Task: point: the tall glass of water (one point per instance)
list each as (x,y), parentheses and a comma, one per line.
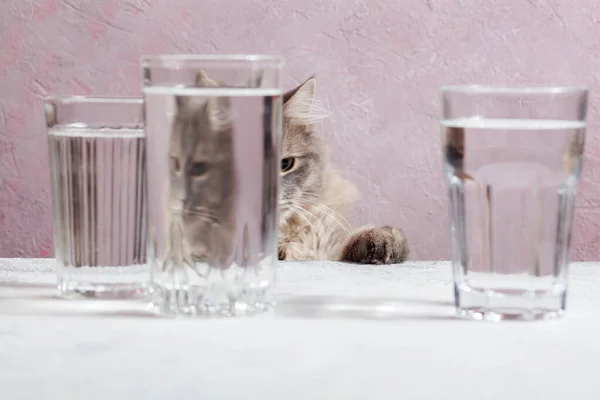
(213,126)
(512,158)
(98,182)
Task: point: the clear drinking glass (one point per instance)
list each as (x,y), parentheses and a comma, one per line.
(213,126)
(98,182)
(512,157)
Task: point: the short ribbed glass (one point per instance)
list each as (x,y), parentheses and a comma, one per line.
(512,157)
(213,125)
(98,182)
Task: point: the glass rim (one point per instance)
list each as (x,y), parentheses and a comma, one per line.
(513,89)
(98,99)
(162,59)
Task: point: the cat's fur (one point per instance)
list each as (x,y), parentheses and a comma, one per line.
(316,200)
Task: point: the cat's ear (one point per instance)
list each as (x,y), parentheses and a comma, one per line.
(256,79)
(202,80)
(303,95)
(181,101)
(300,106)
(218,111)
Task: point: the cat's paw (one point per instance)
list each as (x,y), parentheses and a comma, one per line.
(383,245)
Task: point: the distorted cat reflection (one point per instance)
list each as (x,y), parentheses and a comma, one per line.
(202,179)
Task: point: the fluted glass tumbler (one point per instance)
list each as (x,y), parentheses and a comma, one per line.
(213,126)
(98,182)
(512,159)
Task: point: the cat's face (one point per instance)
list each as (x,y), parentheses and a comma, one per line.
(202,181)
(303,154)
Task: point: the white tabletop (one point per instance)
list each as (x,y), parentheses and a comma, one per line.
(339,332)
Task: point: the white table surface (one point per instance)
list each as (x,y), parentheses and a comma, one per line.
(339,332)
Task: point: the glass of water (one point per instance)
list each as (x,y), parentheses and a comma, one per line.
(213,126)
(98,182)
(512,158)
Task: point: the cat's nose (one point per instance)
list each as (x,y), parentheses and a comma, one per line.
(178,196)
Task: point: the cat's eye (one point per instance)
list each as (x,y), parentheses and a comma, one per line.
(198,169)
(175,165)
(287,164)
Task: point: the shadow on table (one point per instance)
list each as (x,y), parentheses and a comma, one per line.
(27,285)
(27,290)
(56,307)
(344,307)
(41,299)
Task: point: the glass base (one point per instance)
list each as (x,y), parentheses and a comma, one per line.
(497,304)
(102,282)
(105,291)
(187,300)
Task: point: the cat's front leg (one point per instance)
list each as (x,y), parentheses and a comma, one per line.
(381,245)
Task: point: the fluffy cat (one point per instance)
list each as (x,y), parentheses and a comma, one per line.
(315,199)
(202,182)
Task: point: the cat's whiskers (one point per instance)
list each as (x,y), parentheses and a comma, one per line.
(314,196)
(299,211)
(334,219)
(286,208)
(206,215)
(203,210)
(175,211)
(337,217)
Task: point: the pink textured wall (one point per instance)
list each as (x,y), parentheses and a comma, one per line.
(379,65)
